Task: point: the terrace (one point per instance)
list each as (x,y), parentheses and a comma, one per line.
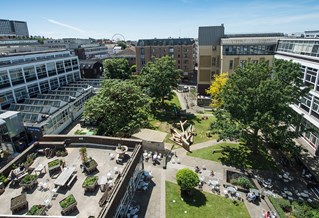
(48,194)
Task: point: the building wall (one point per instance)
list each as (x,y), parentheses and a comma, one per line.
(27,75)
(308,107)
(184,56)
(231,62)
(13,28)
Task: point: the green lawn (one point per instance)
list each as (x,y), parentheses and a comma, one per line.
(206,205)
(163,119)
(236,155)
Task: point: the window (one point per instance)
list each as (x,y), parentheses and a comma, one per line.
(60,67)
(171,50)
(54,83)
(75,64)
(213,61)
(7,98)
(68,66)
(44,86)
(4,79)
(33,90)
(51,69)
(242,63)
(142,50)
(16,76)
(41,71)
(21,93)
(231,64)
(70,78)
(62,81)
(185,55)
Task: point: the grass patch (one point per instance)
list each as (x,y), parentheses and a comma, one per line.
(236,155)
(205,205)
(276,203)
(174,101)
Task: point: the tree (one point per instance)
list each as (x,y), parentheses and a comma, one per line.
(83,154)
(215,89)
(187,179)
(122,44)
(133,68)
(116,68)
(256,103)
(159,77)
(118,109)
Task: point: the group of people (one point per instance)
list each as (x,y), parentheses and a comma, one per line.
(197,170)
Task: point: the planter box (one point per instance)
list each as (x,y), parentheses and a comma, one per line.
(37,210)
(234,175)
(68,204)
(18,203)
(29,184)
(90,166)
(92,186)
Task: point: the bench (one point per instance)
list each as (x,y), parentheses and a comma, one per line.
(217,150)
(71,180)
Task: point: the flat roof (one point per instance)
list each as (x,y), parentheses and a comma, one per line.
(8,114)
(150,135)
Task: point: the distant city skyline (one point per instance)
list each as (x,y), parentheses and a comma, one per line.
(160,18)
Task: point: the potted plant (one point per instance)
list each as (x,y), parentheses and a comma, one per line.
(28,181)
(243,182)
(29,160)
(54,164)
(89,164)
(90,183)
(37,210)
(68,204)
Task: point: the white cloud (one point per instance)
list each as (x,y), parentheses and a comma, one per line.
(66,26)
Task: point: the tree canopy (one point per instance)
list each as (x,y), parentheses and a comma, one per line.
(122,44)
(187,179)
(116,68)
(256,103)
(215,89)
(118,109)
(159,77)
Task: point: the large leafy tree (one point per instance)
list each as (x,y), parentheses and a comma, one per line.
(256,103)
(116,68)
(118,109)
(215,89)
(159,77)
(187,179)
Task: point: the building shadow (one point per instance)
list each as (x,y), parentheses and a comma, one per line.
(142,198)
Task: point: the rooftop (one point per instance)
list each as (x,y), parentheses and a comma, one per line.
(165,42)
(150,135)
(87,202)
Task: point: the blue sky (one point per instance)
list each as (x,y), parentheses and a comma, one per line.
(160,18)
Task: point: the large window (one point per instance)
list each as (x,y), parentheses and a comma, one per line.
(68,66)
(62,80)
(16,76)
(60,67)
(41,71)
(248,49)
(54,83)
(33,90)
(51,69)
(70,78)
(4,79)
(7,98)
(44,86)
(29,73)
(303,47)
(76,76)
(21,94)
(75,64)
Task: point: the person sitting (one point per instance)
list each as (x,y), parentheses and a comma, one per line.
(197,170)
(212,173)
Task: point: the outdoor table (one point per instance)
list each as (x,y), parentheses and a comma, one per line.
(213,182)
(255,191)
(64,176)
(231,189)
(304,195)
(288,193)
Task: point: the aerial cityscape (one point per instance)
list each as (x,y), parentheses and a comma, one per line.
(159,109)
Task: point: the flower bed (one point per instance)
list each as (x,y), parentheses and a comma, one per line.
(90,183)
(241,180)
(90,165)
(37,210)
(68,204)
(28,181)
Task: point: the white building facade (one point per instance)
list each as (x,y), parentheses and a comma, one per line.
(306,53)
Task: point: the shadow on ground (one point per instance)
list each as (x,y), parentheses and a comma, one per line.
(242,157)
(196,199)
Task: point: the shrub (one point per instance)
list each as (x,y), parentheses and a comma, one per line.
(36,210)
(67,201)
(28,178)
(187,179)
(284,204)
(3,178)
(243,182)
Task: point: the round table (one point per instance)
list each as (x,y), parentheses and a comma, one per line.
(231,190)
